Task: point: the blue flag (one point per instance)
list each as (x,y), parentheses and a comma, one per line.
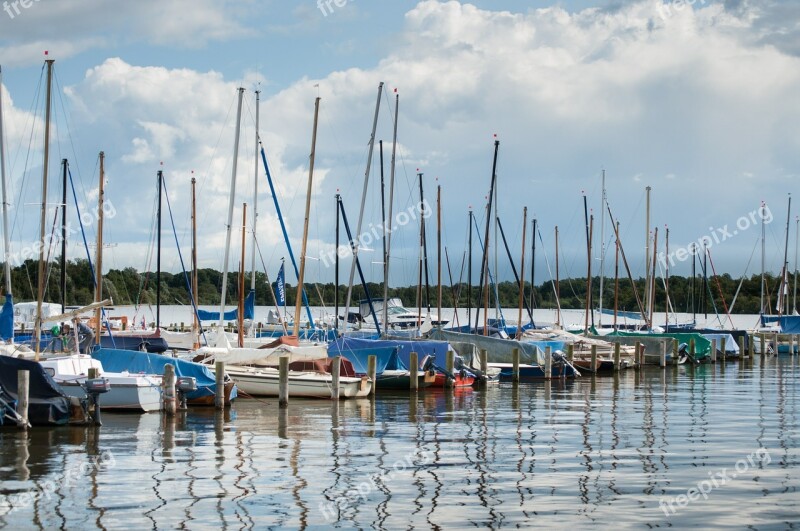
(280,286)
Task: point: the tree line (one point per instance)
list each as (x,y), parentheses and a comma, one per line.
(128,286)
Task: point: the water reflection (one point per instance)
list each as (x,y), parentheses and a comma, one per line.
(554,454)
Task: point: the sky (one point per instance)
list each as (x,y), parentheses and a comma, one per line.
(695,99)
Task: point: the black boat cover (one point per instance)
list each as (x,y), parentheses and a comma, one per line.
(47,404)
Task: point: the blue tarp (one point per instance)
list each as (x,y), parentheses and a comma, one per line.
(386,357)
(554,345)
(790,324)
(115,360)
(232,315)
(7,319)
(346,345)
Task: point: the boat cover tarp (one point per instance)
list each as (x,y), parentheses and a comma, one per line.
(47,404)
(437,349)
(730,342)
(701,344)
(232,315)
(500,350)
(7,319)
(386,357)
(790,324)
(116,360)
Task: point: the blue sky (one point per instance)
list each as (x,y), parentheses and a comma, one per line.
(697,101)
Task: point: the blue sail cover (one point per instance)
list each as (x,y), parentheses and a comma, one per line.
(348,346)
(115,360)
(7,319)
(635,316)
(790,324)
(232,315)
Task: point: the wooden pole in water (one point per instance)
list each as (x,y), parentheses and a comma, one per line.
(484,361)
(742,353)
(548,363)
(170,403)
(283,381)
(219,392)
(724,348)
(372,372)
(571,352)
(616,356)
(413,370)
(594,358)
(713,351)
(23,383)
(515,365)
(638,358)
(692,348)
(450,365)
(336,368)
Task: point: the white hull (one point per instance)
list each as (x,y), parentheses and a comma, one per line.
(265,382)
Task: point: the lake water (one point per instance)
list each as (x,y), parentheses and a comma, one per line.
(711,446)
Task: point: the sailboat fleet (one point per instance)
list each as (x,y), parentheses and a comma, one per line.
(382,345)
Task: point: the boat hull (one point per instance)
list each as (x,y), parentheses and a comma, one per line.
(533,372)
(265,382)
(400,380)
(142,393)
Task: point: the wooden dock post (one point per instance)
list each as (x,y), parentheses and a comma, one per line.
(515,365)
(751,347)
(570,352)
(283,381)
(372,372)
(484,361)
(742,352)
(723,348)
(450,360)
(413,361)
(23,390)
(762,343)
(638,359)
(548,363)
(170,402)
(616,356)
(336,369)
(713,351)
(692,349)
(594,359)
(219,392)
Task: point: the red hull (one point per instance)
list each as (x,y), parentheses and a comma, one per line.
(465,381)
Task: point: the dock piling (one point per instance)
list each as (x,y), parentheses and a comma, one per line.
(413,381)
(23,390)
(283,381)
(219,393)
(372,372)
(570,352)
(170,402)
(594,359)
(713,351)
(515,365)
(548,363)
(336,368)
(616,356)
(450,365)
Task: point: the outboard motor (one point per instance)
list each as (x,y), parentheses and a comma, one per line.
(94,387)
(184,386)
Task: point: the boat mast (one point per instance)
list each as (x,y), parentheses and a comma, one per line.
(336,269)
(63,276)
(43,220)
(588,267)
(485,260)
(616,276)
(694,276)
(522,273)
(558,287)
(652,287)
(421,247)
(386,225)
(424,246)
(160,177)
(602,247)
(240,313)
(6,236)
(383,197)
(195,322)
(229,224)
(299,298)
(356,242)
(439,251)
(796,244)
(98,294)
(784,285)
(533,265)
(255,199)
(666,281)
(469,271)
(763,254)
(648,299)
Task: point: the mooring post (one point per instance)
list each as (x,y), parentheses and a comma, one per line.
(450,361)
(616,357)
(723,348)
(413,370)
(638,356)
(283,381)
(515,365)
(484,361)
(713,351)
(170,403)
(548,363)
(742,352)
(23,389)
(219,393)
(372,372)
(594,359)
(336,368)
(571,352)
